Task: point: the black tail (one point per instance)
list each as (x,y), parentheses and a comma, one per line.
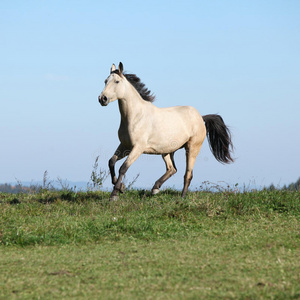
(219,138)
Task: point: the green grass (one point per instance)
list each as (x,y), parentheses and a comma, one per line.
(210,245)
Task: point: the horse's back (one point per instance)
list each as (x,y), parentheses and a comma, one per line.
(186,117)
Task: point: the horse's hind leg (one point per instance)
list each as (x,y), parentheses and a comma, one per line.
(192,150)
(171,170)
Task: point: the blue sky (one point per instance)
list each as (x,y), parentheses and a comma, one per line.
(236,58)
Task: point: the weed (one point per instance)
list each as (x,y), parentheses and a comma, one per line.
(97,177)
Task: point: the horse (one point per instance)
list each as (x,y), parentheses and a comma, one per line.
(147,129)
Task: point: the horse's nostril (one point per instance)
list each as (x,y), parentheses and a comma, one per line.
(103,100)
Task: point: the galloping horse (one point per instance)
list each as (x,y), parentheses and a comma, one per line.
(148,129)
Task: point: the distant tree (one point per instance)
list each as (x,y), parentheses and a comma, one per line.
(7,188)
(294,186)
(272,187)
(13,189)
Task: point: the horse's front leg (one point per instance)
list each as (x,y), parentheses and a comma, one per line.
(132,157)
(120,153)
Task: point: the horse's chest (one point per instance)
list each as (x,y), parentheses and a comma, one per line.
(127,136)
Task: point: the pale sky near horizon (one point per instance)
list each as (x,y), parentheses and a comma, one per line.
(236,58)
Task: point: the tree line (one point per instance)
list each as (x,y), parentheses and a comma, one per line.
(295,186)
(19,188)
(13,189)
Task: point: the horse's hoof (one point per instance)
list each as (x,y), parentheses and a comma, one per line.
(122,188)
(114,198)
(155,191)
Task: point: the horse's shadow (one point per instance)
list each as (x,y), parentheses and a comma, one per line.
(166,192)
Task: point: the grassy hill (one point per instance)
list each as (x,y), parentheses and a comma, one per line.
(62,244)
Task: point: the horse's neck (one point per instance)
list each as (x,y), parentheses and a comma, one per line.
(131,106)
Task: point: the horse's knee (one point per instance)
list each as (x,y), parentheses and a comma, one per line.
(111,163)
(173,171)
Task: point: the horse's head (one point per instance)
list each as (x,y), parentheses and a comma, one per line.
(114,86)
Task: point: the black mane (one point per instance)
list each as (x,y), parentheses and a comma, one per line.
(140,87)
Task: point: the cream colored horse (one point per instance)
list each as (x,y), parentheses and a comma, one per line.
(148,129)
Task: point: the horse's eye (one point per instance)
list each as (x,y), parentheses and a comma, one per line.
(117,81)
(105,81)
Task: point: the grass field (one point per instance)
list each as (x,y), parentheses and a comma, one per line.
(65,245)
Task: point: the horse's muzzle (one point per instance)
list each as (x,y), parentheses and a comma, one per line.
(103,100)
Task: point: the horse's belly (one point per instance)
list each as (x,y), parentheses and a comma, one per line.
(167,144)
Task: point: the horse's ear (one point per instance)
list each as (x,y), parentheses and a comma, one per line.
(113,68)
(120,67)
